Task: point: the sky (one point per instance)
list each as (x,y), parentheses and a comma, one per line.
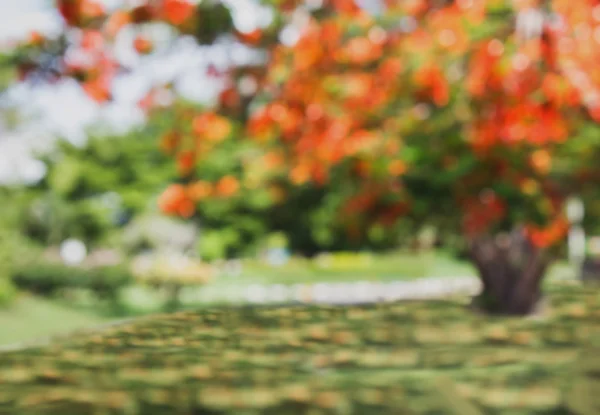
(20,16)
(65,111)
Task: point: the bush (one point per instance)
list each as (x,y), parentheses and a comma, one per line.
(90,192)
(7,292)
(13,246)
(48,279)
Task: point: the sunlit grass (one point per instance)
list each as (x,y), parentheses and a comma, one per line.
(34,317)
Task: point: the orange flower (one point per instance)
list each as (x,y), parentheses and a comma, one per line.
(414,7)
(595,113)
(433,82)
(227,186)
(360,140)
(308,51)
(116,22)
(200,190)
(300,174)
(525,4)
(76,11)
(186,208)
(390,69)
(330,35)
(169,142)
(550,235)
(273,160)
(251,38)
(177,12)
(554,88)
(98,89)
(448,30)
(361,50)
(212,126)
(358,85)
(541,161)
(346,6)
(397,168)
(175,201)
(142,45)
(36,38)
(91,9)
(185,162)
(474,11)
(260,125)
(230,98)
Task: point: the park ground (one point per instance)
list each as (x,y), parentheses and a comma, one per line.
(32,317)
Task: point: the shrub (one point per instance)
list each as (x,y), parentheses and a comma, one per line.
(7,292)
(13,246)
(48,279)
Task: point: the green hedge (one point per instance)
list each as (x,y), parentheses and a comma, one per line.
(47,278)
(402,358)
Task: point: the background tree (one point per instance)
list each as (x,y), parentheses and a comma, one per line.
(475,116)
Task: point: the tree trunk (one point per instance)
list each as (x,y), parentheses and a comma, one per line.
(511,270)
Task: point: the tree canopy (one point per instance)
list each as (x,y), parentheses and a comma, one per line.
(478,116)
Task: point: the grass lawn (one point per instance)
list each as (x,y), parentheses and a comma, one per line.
(33,317)
(348,268)
(431,357)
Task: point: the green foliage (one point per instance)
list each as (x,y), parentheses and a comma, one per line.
(129,165)
(385,358)
(89,191)
(214,19)
(313,219)
(214,244)
(51,219)
(13,246)
(8,292)
(8,72)
(45,278)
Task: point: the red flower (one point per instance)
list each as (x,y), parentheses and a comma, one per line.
(549,235)
(482,212)
(176,201)
(433,83)
(143,45)
(227,186)
(185,162)
(177,12)
(98,89)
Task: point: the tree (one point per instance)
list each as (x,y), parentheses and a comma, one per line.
(91,190)
(478,116)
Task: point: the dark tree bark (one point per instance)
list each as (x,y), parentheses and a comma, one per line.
(511,270)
